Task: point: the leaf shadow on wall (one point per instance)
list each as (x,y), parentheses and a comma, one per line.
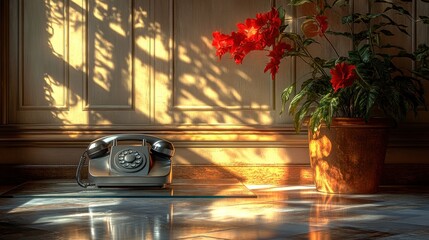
(203,90)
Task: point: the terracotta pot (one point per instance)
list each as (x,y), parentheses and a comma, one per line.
(349,157)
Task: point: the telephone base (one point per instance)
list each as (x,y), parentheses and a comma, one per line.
(101,175)
(121,181)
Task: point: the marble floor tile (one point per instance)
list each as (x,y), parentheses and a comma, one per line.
(278,212)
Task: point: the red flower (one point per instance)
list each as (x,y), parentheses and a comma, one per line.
(254,34)
(276,55)
(222,42)
(271,27)
(343,75)
(236,50)
(323,24)
(249,28)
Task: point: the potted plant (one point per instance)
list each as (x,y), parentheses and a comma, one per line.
(349,96)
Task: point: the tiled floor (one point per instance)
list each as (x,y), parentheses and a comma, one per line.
(279,212)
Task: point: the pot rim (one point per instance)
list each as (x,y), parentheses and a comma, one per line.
(375,122)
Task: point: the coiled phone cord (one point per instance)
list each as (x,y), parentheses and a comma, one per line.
(79,167)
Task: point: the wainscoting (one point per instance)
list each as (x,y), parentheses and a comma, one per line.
(264,156)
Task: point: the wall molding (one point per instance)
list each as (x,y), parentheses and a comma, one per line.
(406,135)
(4,54)
(264,155)
(393,174)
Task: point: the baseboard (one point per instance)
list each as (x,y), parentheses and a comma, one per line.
(393,174)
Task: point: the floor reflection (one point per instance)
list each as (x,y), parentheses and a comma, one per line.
(116,225)
(279,212)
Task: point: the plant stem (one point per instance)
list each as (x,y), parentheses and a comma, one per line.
(312,59)
(330,43)
(362,78)
(303,59)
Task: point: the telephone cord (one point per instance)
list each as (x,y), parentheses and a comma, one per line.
(79,167)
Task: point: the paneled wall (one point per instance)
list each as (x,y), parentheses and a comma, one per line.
(80,69)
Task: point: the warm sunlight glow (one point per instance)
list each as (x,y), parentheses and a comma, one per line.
(162,51)
(212,94)
(96,60)
(116,27)
(101,79)
(320,148)
(262,117)
(104,64)
(140,15)
(183,54)
(56,28)
(54,92)
(75,37)
(34,204)
(142,44)
(99,10)
(100,120)
(220,212)
(276,188)
(241,156)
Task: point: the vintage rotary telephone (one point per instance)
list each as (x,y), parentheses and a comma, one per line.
(113,165)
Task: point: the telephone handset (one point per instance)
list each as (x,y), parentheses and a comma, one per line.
(112,164)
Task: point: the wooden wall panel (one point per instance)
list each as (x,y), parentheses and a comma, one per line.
(43,78)
(203,82)
(40,71)
(110,55)
(207,90)
(82,62)
(127,62)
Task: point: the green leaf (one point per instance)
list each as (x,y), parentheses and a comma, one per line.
(354,56)
(299,2)
(365,53)
(332,108)
(286,95)
(331,63)
(301,114)
(372,16)
(369,101)
(282,13)
(295,101)
(315,120)
(309,41)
